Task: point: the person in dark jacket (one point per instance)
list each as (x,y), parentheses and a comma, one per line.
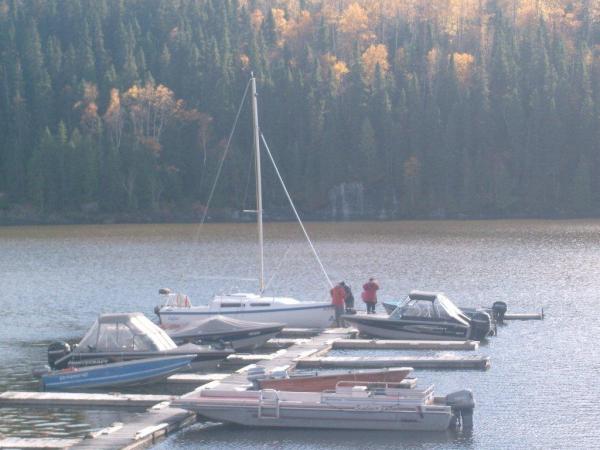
(349,298)
(369,294)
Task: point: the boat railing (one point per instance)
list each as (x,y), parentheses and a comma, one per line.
(390,389)
(268,404)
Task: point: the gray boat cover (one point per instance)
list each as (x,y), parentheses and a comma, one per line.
(214,325)
(124,332)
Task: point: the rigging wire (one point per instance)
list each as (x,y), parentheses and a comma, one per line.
(276,271)
(287,194)
(219,169)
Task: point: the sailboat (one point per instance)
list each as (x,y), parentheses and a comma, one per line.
(177,311)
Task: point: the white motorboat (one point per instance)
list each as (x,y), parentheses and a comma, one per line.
(352,405)
(177,311)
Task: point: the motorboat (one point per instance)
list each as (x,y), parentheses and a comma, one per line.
(127,373)
(496,311)
(177,310)
(350,405)
(125,337)
(424,315)
(320,382)
(227,331)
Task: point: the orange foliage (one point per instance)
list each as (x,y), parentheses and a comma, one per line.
(374,55)
(463,66)
(244,61)
(256,19)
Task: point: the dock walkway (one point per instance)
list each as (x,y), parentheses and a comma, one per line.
(300,348)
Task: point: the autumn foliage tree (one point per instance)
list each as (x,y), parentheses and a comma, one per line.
(435,108)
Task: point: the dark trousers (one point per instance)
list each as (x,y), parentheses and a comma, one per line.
(370,307)
(339,310)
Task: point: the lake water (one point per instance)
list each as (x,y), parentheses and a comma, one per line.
(541,391)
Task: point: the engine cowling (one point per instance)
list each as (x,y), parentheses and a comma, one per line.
(481,325)
(499,309)
(56,351)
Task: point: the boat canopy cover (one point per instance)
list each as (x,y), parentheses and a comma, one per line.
(124,332)
(429,305)
(220,324)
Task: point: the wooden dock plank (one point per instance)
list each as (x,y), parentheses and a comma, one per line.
(46,399)
(142,431)
(196,378)
(366,344)
(38,443)
(276,343)
(418,362)
(299,332)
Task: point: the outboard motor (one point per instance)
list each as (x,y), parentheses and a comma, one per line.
(255,374)
(57,351)
(498,310)
(481,325)
(463,404)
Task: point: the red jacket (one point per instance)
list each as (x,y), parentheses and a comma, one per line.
(369,294)
(338,294)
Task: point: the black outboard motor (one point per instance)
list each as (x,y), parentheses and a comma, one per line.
(57,351)
(463,404)
(498,310)
(481,325)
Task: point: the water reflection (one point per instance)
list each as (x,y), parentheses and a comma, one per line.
(236,437)
(539,392)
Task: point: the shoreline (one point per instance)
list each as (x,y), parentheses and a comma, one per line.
(8,219)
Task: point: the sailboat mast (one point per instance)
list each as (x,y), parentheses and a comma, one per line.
(259,209)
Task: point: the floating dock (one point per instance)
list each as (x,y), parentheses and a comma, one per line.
(54,399)
(383,344)
(450,362)
(302,348)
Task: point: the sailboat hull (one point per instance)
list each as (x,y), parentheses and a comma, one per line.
(308,315)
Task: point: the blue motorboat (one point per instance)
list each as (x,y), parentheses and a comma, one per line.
(123,337)
(125,373)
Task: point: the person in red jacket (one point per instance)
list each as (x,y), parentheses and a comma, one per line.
(338,294)
(369,294)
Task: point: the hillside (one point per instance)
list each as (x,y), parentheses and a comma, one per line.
(394,108)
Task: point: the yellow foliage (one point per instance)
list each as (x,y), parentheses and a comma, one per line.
(374,55)
(302,26)
(463,66)
(339,70)
(245,61)
(334,67)
(354,21)
(279,19)
(433,57)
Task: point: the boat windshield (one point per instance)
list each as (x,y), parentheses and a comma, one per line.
(125,333)
(438,307)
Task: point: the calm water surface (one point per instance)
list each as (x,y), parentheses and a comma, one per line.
(541,391)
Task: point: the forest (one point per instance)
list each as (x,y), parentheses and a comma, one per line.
(373,109)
